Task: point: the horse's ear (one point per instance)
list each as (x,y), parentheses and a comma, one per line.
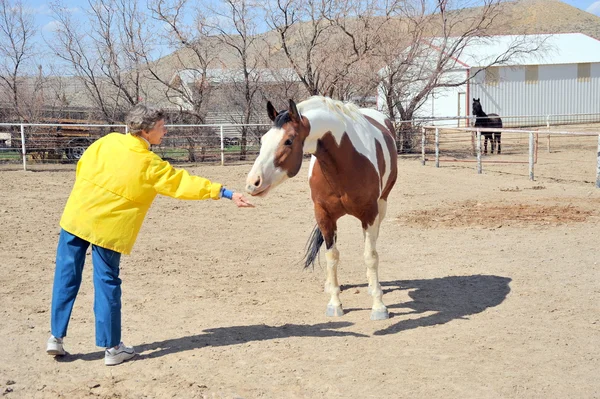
(293,110)
(271,111)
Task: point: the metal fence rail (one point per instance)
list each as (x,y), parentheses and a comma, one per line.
(227,143)
(61,143)
(468,140)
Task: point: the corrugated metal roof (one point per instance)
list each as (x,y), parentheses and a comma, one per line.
(564,48)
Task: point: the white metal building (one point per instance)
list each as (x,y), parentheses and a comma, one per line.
(562,78)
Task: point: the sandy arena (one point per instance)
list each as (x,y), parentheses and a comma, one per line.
(492,282)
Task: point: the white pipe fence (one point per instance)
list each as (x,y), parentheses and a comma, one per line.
(225,132)
(48,142)
(531,145)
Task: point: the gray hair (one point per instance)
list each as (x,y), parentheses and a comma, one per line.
(142,117)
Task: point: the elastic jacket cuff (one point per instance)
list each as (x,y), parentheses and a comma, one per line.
(226,193)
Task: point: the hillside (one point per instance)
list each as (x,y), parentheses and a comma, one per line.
(547,16)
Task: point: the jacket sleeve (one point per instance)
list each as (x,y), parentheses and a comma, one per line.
(178,183)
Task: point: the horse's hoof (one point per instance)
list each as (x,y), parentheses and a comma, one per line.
(334,311)
(380,314)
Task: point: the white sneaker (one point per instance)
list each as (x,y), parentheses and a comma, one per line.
(114,356)
(55,346)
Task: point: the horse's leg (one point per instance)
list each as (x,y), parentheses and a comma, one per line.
(332,287)
(498,137)
(371,233)
(492,142)
(328,228)
(485,142)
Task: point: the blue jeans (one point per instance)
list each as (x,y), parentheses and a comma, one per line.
(70,257)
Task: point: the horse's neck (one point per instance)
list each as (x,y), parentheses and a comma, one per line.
(481,114)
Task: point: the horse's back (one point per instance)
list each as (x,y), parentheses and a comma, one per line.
(495,120)
(381,119)
(491,120)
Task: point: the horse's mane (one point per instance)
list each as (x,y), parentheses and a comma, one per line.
(342,109)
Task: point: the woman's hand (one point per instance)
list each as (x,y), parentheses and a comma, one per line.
(241,201)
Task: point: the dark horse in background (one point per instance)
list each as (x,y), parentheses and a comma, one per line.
(487,121)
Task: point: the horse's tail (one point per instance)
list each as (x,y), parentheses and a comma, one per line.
(312,247)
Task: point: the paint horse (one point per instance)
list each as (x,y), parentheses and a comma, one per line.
(352,171)
(487,121)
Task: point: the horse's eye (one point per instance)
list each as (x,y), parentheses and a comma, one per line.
(288,142)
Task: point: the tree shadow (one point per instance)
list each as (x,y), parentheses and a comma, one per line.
(224,336)
(451,298)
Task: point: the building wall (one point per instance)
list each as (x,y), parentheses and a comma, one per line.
(443,102)
(557,91)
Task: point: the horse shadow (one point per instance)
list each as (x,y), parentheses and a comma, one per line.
(449,298)
(224,336)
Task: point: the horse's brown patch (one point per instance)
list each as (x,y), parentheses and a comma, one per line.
(343,182)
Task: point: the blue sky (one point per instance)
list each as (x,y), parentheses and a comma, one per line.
(44,17)
(45,21)
(591,6)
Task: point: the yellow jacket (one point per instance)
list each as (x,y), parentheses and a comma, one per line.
(117,179)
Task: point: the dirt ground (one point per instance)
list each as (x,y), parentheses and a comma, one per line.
(492,282)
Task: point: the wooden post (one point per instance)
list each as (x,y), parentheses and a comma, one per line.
(222,148)
(479,168)
(598,165)
(531,155)
(437,147)
(548,129)
(423,146)
(23,151)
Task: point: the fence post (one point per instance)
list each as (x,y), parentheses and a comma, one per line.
(437,147)
(548,129)
(23,152)
(222,147)
(423,146)
(478,138)
(598,165)
(531,152)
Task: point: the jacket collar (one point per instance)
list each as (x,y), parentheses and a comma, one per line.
(141,140)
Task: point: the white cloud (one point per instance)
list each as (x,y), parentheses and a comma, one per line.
(594,8)
(52,26)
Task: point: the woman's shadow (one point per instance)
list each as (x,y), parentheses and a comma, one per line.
(224,336)
(449,298)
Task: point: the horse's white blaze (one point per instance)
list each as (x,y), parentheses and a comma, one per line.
(264,166)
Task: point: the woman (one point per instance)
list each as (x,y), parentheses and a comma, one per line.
(116,181)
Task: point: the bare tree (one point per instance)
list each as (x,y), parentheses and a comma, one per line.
(16,49)
(236,30)
(434,39)
(302,32)
(183,75)
(105,51)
